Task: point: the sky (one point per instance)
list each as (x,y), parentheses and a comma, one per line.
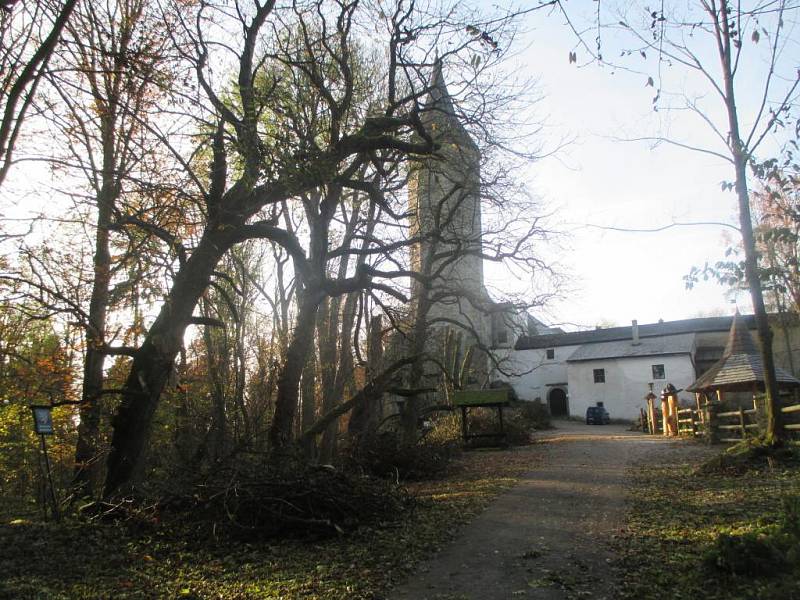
(599,181)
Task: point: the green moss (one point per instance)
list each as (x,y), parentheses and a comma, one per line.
(714,534)
(480,397)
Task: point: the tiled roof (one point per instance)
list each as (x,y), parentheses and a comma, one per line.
(667,345)
(612,334)
(740,367)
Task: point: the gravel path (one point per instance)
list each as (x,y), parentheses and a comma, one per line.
(547,537)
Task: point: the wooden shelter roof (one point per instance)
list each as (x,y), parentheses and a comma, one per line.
(740,367)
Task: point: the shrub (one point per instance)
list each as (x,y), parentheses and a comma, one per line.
(748,554)
(763,553)
(750,455)
(520,420)
(385,455)
(790,516)
(258,501)
(534,413)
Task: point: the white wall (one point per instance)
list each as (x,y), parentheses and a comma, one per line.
(626,383)
(532,385)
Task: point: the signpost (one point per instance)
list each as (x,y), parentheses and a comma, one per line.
(43,426)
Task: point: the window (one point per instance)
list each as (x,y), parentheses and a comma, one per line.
(599,375)
(502,337)
(551,353)
(658,372)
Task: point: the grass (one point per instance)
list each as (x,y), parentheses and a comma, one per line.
(701,532)
(90,560)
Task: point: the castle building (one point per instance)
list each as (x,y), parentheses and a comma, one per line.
(445,204)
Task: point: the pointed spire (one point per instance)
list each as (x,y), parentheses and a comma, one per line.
(739,339)
(438,97)
(740,367)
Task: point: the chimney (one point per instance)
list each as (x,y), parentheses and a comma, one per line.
(635,328)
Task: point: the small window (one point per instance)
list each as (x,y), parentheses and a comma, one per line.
(551,353)
(599,375)
(658,372)
(502,337)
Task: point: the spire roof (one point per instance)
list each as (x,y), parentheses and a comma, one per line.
(439,98)
(740,367)
(739,339)
(439,111)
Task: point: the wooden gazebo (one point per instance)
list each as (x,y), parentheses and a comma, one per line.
(740,369)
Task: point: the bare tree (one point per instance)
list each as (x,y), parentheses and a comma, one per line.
(108,79)
(298,131)
(274,165)
(714,40)
(28,35)
(303,130)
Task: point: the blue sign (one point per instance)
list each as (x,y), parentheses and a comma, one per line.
(42,419)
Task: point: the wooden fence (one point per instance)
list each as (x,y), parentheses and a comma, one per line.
(790,415)
(735,425)
(691,421)
(728,427)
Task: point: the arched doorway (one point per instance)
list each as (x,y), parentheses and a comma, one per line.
(557,401)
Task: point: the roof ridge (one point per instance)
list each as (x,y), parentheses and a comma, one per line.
(647,330)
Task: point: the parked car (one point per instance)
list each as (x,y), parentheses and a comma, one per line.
(597,415)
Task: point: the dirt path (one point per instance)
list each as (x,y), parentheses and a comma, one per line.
(547,537)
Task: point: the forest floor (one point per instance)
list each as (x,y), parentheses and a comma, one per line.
(610,513)
(549,536)
(588,512)
(110,560)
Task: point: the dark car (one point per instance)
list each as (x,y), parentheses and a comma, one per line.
(597,415)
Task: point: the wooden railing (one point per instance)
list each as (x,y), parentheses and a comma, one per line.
(691,422)
(788,414)
(728,427)
(745,422)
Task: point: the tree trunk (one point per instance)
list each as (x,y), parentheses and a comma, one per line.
(218,365)
(241,377)
(288,396)
(327,336)
(309,399)
(410,413)
(86,447)
(740,159)
(365,417)
(773,432)
(153,362)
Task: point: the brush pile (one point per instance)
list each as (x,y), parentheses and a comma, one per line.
(256,504)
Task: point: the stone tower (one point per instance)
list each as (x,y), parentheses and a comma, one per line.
(445,201)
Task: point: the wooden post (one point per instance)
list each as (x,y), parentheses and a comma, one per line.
(500,415)
(761,413)
(741,423)
(651,413)
(712,435)
(664,415)
(672,403)
(53,500)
